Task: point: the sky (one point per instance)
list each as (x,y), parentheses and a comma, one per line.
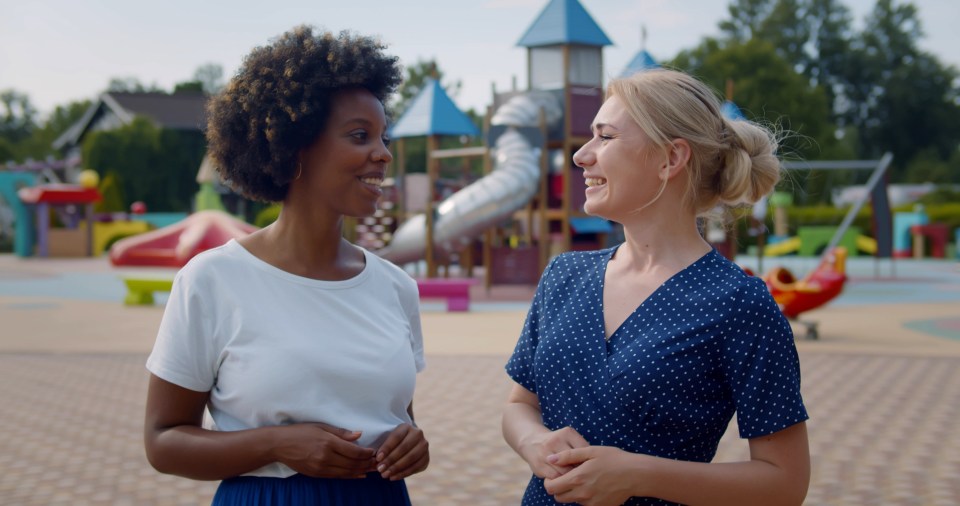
(58,51)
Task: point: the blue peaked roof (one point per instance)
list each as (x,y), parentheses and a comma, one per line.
(731,111)
(564,22)
(642,61)
(433,113)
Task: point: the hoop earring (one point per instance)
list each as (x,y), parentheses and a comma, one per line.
(299,171)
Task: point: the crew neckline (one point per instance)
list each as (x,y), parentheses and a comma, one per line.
(235,248)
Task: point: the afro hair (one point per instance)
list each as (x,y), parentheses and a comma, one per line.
(279,102)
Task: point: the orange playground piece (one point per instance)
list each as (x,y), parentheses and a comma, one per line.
(822,285)
(175,245)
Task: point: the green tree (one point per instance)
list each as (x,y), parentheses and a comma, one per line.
(416,76)
(188,87)
(813,36)
(39,144)
(883,92)
(210,77)
(151,164)
(902,99)
(7,151)
(131,84)
(415,148)
(767,89)
(18,118)
(746,17)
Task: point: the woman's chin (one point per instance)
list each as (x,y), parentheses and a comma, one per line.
(594,209)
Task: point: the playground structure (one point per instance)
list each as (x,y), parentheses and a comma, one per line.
(72,240)
(34,192)
(820,286)
(174,245)
(826,281)
(524,207)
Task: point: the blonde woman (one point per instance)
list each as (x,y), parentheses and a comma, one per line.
(634,359)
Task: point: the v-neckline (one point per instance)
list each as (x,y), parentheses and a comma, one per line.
(654,293)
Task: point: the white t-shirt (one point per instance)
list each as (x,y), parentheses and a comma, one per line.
(274,348)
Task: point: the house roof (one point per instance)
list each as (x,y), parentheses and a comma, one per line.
(640,62)
(433,113)
(564,22)
(181,111)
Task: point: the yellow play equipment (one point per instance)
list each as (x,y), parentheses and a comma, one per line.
(867,244)
(792,245)
(784,247)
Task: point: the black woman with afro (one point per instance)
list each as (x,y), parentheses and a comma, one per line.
(286,361)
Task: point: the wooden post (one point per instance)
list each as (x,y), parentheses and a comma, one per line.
(401,181)
(567,149)
(543,232)
(433,172)
(488,234)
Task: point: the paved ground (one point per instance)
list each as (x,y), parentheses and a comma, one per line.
(882,386)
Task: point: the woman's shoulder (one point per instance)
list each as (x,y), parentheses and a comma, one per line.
(214,261)
(388,269)
(578,260)
(728,278)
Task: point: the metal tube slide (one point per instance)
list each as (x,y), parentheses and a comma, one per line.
(491,199)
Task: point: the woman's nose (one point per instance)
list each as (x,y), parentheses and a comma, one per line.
(383,155)
(583,157)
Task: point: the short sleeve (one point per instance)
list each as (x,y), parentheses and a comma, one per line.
(761,364)
(520,367)
(184,353)
(410,300)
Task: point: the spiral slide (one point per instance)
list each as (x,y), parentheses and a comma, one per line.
(511,184)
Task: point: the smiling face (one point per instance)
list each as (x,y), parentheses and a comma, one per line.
(344,168)
(620,164)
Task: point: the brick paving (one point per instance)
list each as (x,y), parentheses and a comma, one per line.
(883,431)
(884,400)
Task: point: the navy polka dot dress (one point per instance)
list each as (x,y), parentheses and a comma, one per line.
(707,343)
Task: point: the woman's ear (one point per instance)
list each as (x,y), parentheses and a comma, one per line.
(678,156)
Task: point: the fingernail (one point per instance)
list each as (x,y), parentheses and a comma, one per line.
(381,468)
(380,456)
(553,458)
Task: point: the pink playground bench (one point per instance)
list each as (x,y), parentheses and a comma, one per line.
(456,291)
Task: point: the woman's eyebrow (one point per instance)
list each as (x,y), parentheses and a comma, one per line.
(598,126)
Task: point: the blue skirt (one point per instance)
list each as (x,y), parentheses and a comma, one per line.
(301,490)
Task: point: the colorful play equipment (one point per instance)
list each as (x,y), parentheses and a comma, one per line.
(936,234)
(779,246)
(23,235)
(913,229)
(432,114)
(174,245)
(814,239)
(14,177)
(827,280)
(207,197)
(140,290)
(524,204)
(456,291)
(903,223)
(72,240)
(882,244)
(820,286)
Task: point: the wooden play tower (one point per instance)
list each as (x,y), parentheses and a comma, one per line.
(564,57)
